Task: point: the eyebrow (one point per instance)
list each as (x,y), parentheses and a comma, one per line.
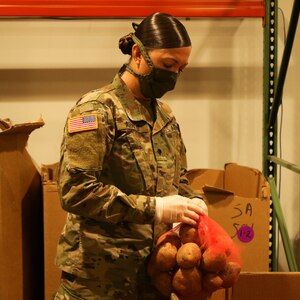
(175,60)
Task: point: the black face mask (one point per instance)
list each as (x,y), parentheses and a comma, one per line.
(158,81)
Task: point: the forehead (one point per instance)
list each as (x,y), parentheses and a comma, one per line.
(181,55)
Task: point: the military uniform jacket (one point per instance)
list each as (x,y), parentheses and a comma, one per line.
(114,160)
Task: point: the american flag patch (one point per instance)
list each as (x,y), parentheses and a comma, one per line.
(82,123)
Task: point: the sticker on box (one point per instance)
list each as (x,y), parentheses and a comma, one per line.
(245,234)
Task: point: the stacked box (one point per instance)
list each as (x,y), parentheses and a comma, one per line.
(21,215)
(238,198)
(54,220)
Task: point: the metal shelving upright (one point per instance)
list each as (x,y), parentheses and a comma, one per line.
(270,134)
(273,88)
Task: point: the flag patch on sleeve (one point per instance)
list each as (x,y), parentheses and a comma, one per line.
(82,123)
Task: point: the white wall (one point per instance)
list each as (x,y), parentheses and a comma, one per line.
(46,65)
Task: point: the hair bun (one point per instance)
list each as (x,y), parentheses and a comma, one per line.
(125,44)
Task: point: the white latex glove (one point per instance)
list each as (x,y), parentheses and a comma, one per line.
(202,204)
(176,208)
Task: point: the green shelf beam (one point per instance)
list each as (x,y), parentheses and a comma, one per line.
(282,228)
(284,163)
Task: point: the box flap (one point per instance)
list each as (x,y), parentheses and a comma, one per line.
(5,124)
(212,189)
(244,181)
(7,128)
(200,177)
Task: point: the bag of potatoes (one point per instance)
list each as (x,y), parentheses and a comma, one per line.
(193,262)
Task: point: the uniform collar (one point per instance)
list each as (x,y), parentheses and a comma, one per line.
(135,110)
(163,117)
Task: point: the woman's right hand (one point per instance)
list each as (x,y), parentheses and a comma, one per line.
(176,208)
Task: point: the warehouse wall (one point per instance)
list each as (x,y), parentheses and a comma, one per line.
(47,64)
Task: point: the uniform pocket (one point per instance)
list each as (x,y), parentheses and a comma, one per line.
(131,161)
(143,162)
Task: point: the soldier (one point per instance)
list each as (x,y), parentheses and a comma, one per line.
(122,170)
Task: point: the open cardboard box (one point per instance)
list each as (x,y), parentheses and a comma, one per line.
(238,198)
(21,215)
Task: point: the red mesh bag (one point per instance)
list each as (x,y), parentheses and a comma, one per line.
(221,260)
(193,262)
(213,235)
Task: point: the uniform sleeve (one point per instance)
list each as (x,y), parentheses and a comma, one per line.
(83,152)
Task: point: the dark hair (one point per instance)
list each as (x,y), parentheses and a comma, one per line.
(157,31)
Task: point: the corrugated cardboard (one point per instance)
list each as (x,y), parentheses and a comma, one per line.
(267,286)
(21,221)
(263,286)
(54,220)
(237,197)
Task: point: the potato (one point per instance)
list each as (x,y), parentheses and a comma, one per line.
(170,237)
(164,256)
(163,283)
(213,260)
(212,282)
(188,234)
(230,274)
(188,255)
(202,295)
(187,281)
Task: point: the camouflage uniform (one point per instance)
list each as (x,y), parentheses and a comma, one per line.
(109,176)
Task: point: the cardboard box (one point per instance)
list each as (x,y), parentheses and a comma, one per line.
(262,286)
(238,198)
(267,286)
(54,220)
(21,215)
